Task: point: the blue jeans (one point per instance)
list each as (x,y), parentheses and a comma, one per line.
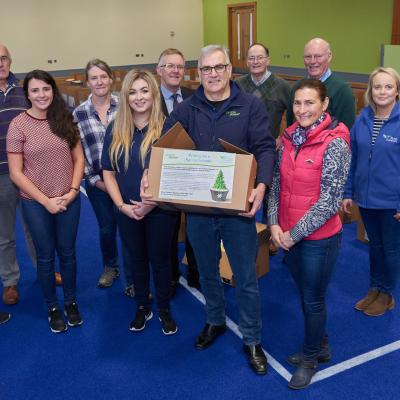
(311,263)
(51,232)
(103,207)
(148,242)
(239,237)
(384,248)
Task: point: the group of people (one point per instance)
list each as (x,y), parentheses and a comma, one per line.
(319,167)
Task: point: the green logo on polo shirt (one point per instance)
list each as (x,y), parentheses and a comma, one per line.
(232,113)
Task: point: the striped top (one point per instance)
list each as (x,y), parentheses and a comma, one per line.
(378,122)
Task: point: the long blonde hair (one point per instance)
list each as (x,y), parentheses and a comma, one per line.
(124,126)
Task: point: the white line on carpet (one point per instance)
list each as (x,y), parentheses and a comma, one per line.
(358,360)
(320,375)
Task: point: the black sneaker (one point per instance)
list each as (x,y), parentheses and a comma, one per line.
(4,317)
(167,322)
(56,320)
(73,315)
(143,314)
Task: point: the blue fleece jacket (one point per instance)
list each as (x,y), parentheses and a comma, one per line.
(374,178)
(12,103)
(242,120)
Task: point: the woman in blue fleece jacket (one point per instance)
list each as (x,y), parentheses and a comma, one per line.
(374,184)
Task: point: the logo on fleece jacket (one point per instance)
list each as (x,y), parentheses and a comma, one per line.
(232,113)
(390,138)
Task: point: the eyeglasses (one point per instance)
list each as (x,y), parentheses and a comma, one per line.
(217,68)
(171,67)
(316,57)
(4,59)
(256,58)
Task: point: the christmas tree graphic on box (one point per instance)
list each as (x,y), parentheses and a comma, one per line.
(219,191)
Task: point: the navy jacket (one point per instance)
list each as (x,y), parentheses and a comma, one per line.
(12,103)
(374,178)
(242,120)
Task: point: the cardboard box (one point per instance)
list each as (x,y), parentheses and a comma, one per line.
(352,217)
(361,232)
(243,177)
(182,230)
(262,262)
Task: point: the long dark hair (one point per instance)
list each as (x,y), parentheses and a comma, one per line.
(59,117)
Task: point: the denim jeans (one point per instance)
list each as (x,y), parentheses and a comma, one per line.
(148,242)
(384,248)
(103,208)
(9,198)
(239,238)
(311,263)
(51,232)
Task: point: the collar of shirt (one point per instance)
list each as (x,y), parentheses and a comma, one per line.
(262,80)
(325,75)
(12,81)
(113,104)
(169,101)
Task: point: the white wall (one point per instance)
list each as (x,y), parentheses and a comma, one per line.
(74,31)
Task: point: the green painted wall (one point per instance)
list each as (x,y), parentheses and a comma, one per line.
(355,28)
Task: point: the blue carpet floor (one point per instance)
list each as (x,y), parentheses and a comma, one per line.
(102,359)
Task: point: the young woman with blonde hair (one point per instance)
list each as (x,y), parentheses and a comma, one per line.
(146,231)
(373,184)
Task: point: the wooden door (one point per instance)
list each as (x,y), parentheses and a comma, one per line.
(241,31)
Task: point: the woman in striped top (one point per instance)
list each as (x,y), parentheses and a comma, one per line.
(373,184)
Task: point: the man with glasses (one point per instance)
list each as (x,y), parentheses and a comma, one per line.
(272,90)
(317,58)
(274,93)
(171,70)
(219,109)
(12,103)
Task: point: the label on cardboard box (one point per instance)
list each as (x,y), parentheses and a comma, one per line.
(197,175)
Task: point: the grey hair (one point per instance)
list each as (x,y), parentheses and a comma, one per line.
(213,48)
(7,51)
(319,41)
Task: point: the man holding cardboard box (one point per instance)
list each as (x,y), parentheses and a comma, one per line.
(220,110)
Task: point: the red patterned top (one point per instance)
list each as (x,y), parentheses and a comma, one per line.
(47,158)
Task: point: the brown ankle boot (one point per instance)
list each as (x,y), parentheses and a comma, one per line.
(362,304)
(382,303)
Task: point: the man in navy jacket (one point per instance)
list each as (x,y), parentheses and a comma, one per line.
(219,109)
(12,103)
